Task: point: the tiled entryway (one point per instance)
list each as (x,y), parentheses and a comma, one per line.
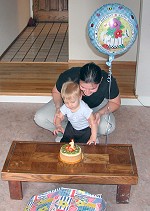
(47,42)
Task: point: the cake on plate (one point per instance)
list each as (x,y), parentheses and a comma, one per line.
(70,153)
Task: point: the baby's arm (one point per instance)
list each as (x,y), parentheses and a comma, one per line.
(93,126)
(59,118)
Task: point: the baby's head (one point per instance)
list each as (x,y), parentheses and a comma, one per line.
(70,91)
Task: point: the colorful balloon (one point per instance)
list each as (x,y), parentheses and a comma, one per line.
(112,29)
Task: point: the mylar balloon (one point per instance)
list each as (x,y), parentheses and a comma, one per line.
(113,29)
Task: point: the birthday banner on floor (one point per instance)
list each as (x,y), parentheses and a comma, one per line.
(65,199)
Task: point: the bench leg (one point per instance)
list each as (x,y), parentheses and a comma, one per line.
(15,189)
(123,194)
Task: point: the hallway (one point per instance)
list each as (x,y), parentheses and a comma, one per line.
(47,42)
(33,63)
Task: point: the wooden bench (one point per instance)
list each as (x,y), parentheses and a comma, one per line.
(102,164)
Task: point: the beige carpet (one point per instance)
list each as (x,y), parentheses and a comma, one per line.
(133,127)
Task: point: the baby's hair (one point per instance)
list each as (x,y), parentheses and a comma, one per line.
(70,90)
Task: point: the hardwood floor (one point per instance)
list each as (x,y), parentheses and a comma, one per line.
(36,79)
(31,66)
(46,42)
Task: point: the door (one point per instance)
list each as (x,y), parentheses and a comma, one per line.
(50,10)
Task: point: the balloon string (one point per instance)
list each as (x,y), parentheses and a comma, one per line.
(109,125)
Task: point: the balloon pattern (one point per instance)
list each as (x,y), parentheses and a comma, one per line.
(112,29)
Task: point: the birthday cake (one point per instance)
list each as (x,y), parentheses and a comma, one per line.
(70,153)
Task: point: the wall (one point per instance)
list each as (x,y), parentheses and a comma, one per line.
(143,70)
(14,16)
(80,12)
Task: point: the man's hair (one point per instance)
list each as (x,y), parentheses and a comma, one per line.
(70,90)
(90,73)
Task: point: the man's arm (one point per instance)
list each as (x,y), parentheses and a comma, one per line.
(57,98)
(57,101)
(93,126)
(58,119)
(111,106)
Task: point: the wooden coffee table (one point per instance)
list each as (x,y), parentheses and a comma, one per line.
(39,162)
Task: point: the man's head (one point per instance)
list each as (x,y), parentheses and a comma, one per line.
(90,78)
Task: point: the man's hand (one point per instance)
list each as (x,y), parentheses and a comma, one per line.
(91,141)
(58,129)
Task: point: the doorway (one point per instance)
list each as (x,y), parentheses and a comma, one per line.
(50,10)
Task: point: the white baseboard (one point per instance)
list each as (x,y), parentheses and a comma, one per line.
(44,99)
(129,101)
(25,99)
(145,101)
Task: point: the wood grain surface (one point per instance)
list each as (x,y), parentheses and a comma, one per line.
(101,164)
(38,79)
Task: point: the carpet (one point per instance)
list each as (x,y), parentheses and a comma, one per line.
(132,127)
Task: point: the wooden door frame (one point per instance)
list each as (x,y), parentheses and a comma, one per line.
(45,16)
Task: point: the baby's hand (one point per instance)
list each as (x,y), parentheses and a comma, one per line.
(57,115)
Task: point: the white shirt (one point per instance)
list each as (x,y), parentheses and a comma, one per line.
(79,118)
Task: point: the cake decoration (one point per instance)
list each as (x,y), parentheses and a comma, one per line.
(70,153)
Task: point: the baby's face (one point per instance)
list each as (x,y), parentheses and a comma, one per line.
(73,104)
